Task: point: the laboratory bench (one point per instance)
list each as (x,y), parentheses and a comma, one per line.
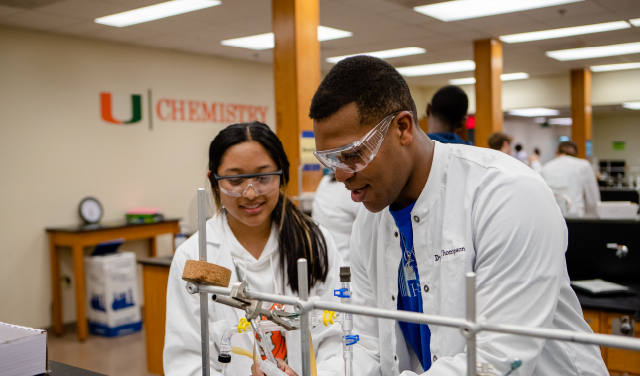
(61,369)
(155,279)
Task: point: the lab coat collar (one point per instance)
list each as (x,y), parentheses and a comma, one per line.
(215,229)
(434,184)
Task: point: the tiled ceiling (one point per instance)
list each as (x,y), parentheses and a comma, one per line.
(376,25)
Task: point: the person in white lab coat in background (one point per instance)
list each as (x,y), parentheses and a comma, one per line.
(259,227)
(572,181)
(435,212)
(334,209)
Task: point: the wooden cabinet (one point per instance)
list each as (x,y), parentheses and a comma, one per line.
(619,362)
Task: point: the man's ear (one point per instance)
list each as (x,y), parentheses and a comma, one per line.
(463,122)
(428,109)
(406,128)
(209,175)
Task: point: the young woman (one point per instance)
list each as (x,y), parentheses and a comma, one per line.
(264,232)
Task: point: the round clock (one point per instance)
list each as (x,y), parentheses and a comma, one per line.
(90,210)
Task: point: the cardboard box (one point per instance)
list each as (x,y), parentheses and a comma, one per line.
(23,351)
(112,294)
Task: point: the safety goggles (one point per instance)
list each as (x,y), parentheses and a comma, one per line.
(237,185)
(357,155)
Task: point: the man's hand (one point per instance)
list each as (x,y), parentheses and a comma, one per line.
(255,369)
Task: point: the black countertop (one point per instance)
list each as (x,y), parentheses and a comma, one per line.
(623,303)
(60,369)
(156,261)
(105,226)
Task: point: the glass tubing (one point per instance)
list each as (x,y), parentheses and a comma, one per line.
(303,305)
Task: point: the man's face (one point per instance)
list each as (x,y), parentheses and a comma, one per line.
(379,184)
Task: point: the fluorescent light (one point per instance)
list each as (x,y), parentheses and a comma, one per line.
(155,12)
(614,67)
(465,9)
(514,76)
(329,33)
(463,81)
(564,32)
(266,41)
(439,68)
(386,54)
(635,22)
(632,105)
(534,112)
(561,121)
(503,77)
(593,52)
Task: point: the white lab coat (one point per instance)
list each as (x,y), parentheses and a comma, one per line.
(502,219)
(574,178)
(334,209)
(182,349)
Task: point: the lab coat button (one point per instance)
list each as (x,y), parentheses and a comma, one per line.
(396,234)
(435,358)
(393,298)
(426,288)
(415,218)
(395,357)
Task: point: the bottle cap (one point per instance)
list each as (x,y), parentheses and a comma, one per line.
(345,274)
(224,358)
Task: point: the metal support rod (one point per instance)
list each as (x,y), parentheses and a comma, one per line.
(303,293)
(204,301)
(470,279)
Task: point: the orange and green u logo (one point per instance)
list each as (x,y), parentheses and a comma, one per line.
(107,114)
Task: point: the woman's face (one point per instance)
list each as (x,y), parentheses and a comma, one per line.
(253,208)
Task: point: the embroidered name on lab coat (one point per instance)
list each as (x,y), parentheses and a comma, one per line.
(447,253)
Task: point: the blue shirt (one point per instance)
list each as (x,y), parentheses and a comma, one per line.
(409,297)
(448,138)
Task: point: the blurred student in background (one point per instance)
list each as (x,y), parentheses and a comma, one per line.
(572,181)
(534,161)
(521,155)
(334,209)
(501,142)
(446,114)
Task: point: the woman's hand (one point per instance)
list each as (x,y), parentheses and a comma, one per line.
(255,369)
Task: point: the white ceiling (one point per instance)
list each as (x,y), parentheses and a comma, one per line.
(376,25)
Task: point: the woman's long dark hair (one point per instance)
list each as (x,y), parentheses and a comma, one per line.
(298,235)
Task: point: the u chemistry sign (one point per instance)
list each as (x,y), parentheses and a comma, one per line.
(182,110)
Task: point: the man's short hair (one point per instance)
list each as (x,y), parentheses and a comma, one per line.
(518,147)
(497,139)
(568,148)
(450,105)
(373,84)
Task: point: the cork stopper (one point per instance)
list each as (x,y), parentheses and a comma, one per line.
(345,274)
(206,273)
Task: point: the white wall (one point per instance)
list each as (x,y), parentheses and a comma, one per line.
(531,135)
(55,149)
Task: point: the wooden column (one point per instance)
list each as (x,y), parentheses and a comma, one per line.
(296,67)
(581,108)
(487,54)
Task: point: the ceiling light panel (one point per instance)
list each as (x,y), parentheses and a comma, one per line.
(635,22)
(503,77)
(615,67)
(632,105)
(155,12)
(564,32)
(465,9)
(561,121)
(594,52)
(266,41)
(439,68)
(386,54)
(534,112)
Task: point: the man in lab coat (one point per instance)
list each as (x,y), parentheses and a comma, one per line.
(435,212)
(572,181)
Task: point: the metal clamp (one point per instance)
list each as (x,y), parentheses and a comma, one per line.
(621,250)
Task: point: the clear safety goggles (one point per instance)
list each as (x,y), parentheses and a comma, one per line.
(237,185)
(357,155)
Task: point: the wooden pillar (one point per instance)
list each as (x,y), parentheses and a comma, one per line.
(296,67)
(487,54)
(581,108)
